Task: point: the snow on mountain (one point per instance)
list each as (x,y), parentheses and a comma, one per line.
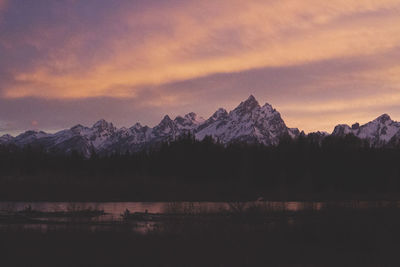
(382,130)
(248,122)
(395,140)
(100,134)
(165,130)
(217,120)
(6,139)
(82,139)
(128,139)
(189,122)
(79,138)
(29,137)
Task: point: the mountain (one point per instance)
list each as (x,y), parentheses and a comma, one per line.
(79,138)
(6,138)
(381,131)
(28,137)
(248,122)
(189,122)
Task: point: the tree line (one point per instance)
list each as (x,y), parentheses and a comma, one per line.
(307,164)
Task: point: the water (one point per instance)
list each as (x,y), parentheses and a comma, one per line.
(113,210)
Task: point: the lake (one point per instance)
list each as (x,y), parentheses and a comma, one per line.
(113,210)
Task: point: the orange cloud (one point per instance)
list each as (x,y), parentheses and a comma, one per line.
(199,39)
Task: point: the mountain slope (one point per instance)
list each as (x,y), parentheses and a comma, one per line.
(383,130)
(248,122)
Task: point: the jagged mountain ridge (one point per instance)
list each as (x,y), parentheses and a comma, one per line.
(378,132)
(248,122)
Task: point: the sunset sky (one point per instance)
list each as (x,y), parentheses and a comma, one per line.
(319,63)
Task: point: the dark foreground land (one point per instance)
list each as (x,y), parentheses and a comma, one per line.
(308,168)
(334,236)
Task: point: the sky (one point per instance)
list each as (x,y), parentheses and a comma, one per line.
(319,63)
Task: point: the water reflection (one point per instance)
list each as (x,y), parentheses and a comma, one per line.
(113,211)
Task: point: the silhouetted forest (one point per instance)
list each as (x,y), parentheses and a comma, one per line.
(187,169)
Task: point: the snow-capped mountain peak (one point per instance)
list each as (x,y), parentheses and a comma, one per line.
(5,138)
(189,122)
(137,126)
(79,129)
(248,122)
(246,106)
(193,117)
(166,120)
(220,113)
(378,132)
(267,108)
(29,137)
(103,125)
(383,118)
(165,129)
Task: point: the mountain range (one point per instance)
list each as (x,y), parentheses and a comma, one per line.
(248,122)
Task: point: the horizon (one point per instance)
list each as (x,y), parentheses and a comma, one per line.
(319,64)
(182,115)
(201,133)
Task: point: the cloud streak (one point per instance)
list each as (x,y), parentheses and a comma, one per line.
(191,40)
(307,58)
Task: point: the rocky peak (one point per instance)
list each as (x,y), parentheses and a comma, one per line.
(191,116)
(341,130)
(6,138)
(355,126)
(166,126)
(378,132)
(248,122)
(29,137)
(165,122)
(31,133)
(251,99)
(247,106)
(137,126)
(268,109)
(77,129)
(383,118)
(220,113)
(189,120)
(103,125)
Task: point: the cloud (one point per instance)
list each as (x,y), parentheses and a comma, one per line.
(319,63)
(3,4)
(190,39)
(316,96)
